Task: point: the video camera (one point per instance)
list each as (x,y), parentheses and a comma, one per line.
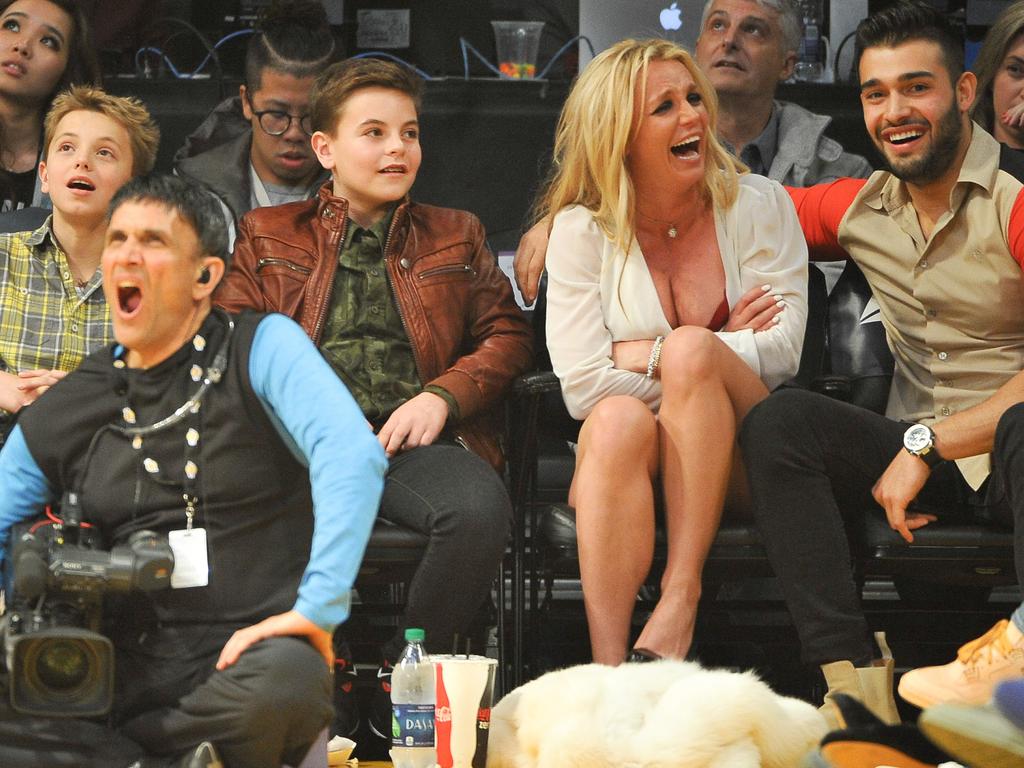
(58,662)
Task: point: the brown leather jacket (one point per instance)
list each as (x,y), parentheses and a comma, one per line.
(466,331)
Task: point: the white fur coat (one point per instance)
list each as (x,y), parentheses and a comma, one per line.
(665,714)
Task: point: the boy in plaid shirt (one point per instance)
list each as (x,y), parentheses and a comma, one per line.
(52,310)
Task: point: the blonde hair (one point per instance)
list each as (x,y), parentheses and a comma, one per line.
(595,131)
(127,111)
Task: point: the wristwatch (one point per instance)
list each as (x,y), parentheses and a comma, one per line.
(919,440)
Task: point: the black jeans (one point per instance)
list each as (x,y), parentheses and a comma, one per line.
(812,462)
(459,501)
(265,710)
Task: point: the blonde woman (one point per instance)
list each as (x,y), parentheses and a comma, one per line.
(676,301)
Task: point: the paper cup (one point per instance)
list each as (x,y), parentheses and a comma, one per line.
(464,690)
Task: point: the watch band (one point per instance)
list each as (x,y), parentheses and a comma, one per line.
(929,456)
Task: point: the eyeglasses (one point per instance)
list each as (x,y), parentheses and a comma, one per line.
(276,123)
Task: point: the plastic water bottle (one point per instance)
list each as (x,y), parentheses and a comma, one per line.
(810,67)
(412,706)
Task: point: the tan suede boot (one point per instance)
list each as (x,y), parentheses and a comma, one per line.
(871,685)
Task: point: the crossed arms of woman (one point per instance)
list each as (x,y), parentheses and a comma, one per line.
(595,302)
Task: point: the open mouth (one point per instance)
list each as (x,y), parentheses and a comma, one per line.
(13,68)
(129,297)
(687,148)
(727,64)
(393,169)
(80,183)
(902,136)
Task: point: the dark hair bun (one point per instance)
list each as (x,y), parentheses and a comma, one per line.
(297,13)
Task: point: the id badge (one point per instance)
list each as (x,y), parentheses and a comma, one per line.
(191,567)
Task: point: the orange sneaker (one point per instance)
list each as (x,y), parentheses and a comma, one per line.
(979,666)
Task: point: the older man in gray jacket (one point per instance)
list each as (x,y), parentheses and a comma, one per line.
(746,48)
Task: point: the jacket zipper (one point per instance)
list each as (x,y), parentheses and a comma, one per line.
(282,263)
(398,302)
(465,268)
(459,439)
(318,326)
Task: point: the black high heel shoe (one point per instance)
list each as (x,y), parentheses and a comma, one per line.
(641,656)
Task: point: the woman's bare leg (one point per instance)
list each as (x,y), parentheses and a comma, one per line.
(707,390)
(612,491)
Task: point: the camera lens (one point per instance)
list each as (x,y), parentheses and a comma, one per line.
(62,665)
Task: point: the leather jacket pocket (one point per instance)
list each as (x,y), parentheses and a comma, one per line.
(449,269)
(271,263)
(284,284)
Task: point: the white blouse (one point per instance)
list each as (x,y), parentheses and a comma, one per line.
(596,295)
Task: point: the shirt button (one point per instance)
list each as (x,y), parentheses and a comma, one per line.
(374,272)
(405,263)
(67,275)
(944,411)
(924,265)
(943,355)
(74,327)
(375,309)
(931,313)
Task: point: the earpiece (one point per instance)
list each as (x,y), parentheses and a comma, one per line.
(204,276)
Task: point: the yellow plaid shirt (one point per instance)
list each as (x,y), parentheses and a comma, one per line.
(46,321)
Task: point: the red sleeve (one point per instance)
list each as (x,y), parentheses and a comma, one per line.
(820,209)
(1015,232)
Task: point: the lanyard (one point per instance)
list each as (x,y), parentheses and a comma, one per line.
(189,410)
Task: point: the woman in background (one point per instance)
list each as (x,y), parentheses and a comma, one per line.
(676,301)
(45,47)
(999,104)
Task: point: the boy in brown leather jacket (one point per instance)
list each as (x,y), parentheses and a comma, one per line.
(409,307)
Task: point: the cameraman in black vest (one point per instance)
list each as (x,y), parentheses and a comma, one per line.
(201,427)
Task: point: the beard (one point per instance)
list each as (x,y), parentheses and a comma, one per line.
(937,159)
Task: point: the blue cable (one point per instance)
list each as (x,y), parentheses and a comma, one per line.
(467,46)
(161,54)
(392,57)
(219,43)
(188,75)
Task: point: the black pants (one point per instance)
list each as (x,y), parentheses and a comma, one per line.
(265,710)
(812,462)
(459,501)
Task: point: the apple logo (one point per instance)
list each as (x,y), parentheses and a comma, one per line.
(670,17)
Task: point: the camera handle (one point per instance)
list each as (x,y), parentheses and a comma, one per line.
(71,516)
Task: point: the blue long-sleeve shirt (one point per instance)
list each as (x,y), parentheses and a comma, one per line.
(319,420)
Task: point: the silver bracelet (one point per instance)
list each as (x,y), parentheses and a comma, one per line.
(655,359)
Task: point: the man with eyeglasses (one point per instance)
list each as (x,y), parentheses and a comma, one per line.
(253,150)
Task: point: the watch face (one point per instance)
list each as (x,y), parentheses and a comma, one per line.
(918,438)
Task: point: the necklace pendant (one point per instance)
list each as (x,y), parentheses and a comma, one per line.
(672,232)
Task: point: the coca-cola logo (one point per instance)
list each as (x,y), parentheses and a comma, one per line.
(444,714)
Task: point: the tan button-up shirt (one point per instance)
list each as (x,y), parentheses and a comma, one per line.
(953,303)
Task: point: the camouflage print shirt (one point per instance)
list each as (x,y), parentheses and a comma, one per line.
(364,340)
